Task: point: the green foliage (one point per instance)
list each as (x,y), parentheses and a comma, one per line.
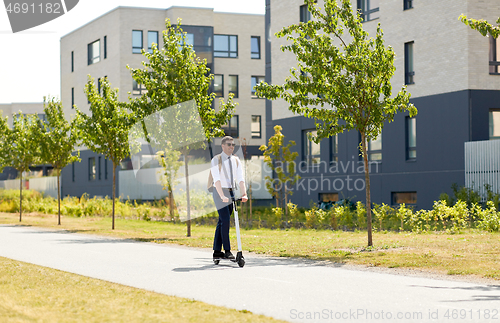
(282,161)
(106,130)
(489,218)
(482,26)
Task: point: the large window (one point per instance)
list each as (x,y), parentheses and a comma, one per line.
(232,127)
(254,81)
(369,9)
(305,15)
(105,168)
(152,38)
(72,98)
(105,47)
(136,41)
(232,85)
(375,148)
(219,84)
(409,72)
(226,46)
(256,127)
(255,47)
(494,124)
(72,61)
(494,55)
(92,169)
(407,4)
(94,52)
(404,197)
(312,151)
(73,171)
(137,88)
(99,167)
(411,138)
(334,152)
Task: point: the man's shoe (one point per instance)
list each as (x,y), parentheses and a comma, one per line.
(218,254)
(228,255)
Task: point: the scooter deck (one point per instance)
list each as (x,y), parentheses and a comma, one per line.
(238,259)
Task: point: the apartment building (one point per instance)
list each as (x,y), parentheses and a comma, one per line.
(232,44)
(453,75)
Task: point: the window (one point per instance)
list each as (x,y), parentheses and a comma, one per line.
(368,9)
(72,61)
(232,85)
(411,138)
(99,85)
(225,46)
(136,41)
(495,124)
(334,153)
(494,55)
(73,171)
(305,15)
(409,72)
(375,148)
(404,197)
(312,151)
(105,47)
(256,127)
(256,80)
(232,127)
(92,169)
(72,98)
(152,38)
(328,197)
(94,52)
(255,47)
(105,168)
(219,84)
(407,4)
(99,166)
(137,88)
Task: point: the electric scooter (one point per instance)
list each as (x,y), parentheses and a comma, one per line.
(239,256)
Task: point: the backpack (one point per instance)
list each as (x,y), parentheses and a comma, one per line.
(210,184)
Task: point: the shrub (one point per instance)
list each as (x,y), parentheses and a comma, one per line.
(489,218)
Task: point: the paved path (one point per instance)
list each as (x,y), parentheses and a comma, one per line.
(293,290)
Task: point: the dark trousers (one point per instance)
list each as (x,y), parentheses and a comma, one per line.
(224,209)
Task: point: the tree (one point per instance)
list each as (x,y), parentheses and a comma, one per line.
(344,82)
(20,146)
(482,26)
(58,140)
(174,75)
(106,130)
(169,161)
(282,161)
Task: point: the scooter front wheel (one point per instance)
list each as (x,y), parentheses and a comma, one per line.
(241,262)
(216,261)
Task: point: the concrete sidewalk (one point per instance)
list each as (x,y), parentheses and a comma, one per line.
(288,289)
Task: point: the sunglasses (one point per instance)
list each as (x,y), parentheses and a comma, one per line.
(231,145)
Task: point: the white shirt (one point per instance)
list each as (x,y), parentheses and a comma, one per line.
(221,176)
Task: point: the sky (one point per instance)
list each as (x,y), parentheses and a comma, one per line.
(30,59)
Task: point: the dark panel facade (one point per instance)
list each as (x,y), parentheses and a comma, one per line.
(443,124)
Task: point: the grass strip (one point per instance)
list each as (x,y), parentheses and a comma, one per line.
(470,252)
(31,293)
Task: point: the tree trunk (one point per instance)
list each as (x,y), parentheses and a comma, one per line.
(21,197)
(188,211)
(171,201)
(368,198)
(58,172)
(114,187)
